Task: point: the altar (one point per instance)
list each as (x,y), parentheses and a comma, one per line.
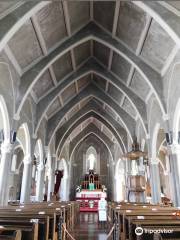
(90,192)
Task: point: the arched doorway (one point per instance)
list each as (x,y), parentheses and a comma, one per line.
(23,138)
(17,168)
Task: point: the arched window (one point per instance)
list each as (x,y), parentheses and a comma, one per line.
(91,159)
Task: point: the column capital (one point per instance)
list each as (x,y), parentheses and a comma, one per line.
(50,172)
(6,147)
(153,161)
(165,117)
(40,167)
(148,136)
(174,148)
(27,159)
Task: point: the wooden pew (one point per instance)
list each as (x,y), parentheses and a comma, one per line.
(126,214)
(11,235)
(50,216)
(24,230)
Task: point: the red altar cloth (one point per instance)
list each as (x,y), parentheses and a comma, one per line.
(85,206)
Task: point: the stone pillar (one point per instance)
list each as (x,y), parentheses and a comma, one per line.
(174,155)
(127,174)
(5,165)
(51,179)
(40,183)
(26,180)
(155,182)
(51,176)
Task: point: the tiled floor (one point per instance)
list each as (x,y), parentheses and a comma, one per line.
(89,228)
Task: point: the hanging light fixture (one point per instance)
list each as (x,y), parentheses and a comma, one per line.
(135,153)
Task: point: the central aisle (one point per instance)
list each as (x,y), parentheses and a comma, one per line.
(88,228)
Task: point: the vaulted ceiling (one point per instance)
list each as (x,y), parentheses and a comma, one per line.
(107,56)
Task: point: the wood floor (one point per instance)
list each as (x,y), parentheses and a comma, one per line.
(88,228)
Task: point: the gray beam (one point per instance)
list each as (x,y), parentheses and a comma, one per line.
(91,66)
(90,90)
(91,31)
(91,109)
(90,129)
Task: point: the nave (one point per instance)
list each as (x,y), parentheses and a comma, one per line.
(88,227)
(64,221)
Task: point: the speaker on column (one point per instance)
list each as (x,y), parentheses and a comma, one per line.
(13,136)
(45,161)
(169,138)
(1,135)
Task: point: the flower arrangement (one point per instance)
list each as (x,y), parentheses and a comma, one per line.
(78,188)
(104,189)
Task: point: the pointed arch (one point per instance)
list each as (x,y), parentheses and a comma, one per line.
(38,151)
(23,136)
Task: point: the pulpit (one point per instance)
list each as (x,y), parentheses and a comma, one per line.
(136,188)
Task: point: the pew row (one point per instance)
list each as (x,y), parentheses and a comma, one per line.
(130,217)
(38,221)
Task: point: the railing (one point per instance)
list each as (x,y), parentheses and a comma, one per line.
(112,235)
(65,231)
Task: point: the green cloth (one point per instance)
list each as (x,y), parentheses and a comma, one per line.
(91,186)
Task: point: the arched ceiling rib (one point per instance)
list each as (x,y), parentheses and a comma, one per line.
(14,20)
(80,121)
(90,109)
(90,90)
(95,37)
(91,129)
(89,67)
(91,31)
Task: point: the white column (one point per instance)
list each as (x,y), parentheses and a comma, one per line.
(51,175)
(51,179)
(119,191)
(174,155)
(26,180)
(40,183)
(5,165)
(155,182)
